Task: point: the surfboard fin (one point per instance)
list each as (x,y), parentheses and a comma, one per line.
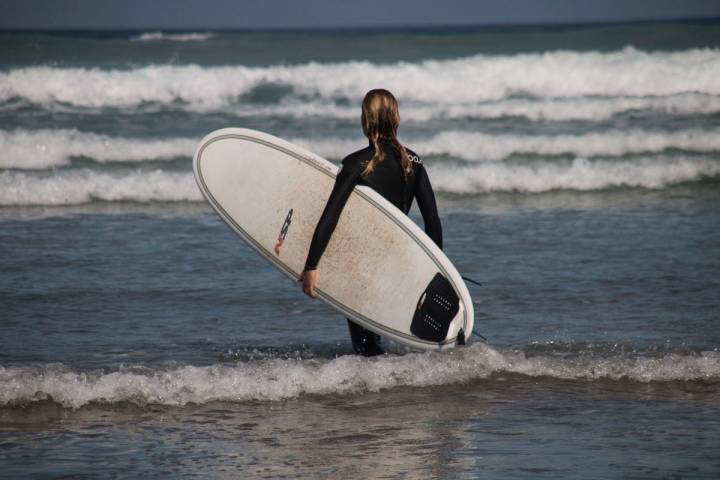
(461,337)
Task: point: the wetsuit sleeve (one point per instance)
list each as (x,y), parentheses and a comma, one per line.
(344,184)
(428,208)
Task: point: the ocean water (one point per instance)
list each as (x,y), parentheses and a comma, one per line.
(577,171)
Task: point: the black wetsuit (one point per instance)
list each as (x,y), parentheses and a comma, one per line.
(389,180)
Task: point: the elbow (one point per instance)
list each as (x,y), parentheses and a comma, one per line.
(434,230)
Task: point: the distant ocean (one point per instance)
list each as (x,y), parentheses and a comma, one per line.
(577,170)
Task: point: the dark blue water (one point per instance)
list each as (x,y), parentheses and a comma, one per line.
(141,338)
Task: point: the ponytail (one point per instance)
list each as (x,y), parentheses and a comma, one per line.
(380,120)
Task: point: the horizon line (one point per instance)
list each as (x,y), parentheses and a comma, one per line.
(361,28)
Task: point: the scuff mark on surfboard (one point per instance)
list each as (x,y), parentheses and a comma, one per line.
(377,263)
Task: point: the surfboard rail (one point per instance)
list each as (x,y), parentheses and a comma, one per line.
(458,332)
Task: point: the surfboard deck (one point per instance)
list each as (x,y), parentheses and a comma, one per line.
(379,268)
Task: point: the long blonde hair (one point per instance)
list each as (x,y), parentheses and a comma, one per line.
(380,121)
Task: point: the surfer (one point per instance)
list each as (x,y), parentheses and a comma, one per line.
(385,165)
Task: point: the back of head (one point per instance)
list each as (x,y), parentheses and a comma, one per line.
(380,116)
(380,121)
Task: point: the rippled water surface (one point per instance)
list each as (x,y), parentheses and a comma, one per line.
(141,338)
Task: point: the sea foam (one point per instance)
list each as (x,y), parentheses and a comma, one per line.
(173,37)
(40,149)
(47,148)
(479,146)
(429,109)
(580,174)
(79,186)
(75,187)
(277,378)
(471,80)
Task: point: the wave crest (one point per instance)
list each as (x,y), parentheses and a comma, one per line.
(581,174)
(277,379)
(175,37)
(42,149)
(76,187)
(479,147)
(81,186)
(471,80)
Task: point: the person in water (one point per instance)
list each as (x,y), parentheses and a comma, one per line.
(385,165)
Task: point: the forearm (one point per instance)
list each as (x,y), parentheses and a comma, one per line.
(433,228)
(323,231)
(428,208)
(344,184)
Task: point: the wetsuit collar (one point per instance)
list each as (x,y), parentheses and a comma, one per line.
(383,141)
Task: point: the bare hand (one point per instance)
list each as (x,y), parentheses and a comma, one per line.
(309,279)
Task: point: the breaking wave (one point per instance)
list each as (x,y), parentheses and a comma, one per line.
(579,174)
(634,76)
(475,146)
(75,187)
(282,378)
(174,37)
(532,109)
(80,186)
(42,149)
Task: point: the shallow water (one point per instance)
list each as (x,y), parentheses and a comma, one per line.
(503,427)
(601,354)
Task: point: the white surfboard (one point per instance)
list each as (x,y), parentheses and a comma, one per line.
(379,269)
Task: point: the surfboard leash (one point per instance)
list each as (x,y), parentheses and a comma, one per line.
(467,279)
(477,334)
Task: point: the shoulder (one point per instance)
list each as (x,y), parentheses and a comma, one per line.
(416,161)
(357,160)
(358,157)
(417,164)
(414,157)
(354,163)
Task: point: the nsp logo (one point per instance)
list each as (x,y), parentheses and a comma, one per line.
(283,232)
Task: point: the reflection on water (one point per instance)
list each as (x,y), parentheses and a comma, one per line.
(506,426)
